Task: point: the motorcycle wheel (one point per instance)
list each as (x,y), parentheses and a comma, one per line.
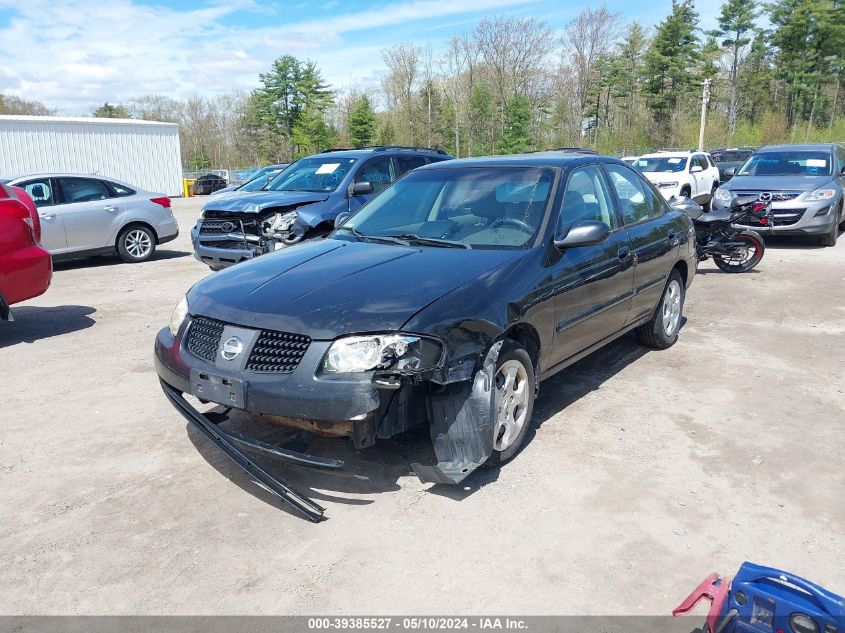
(746,257)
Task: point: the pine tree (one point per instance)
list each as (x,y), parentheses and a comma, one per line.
(736,22)
(670,59)
(362,123)
(516,136)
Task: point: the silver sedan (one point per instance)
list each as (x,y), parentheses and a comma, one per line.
(84,215)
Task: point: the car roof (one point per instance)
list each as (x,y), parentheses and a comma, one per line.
(70,175)
(387,149)
(802,147)
(680,152)
(551,158)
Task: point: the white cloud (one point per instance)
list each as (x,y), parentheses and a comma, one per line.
(85,53)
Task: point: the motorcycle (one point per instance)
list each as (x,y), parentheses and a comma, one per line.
(733,250)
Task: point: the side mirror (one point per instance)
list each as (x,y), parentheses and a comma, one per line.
(360,188)
(342,217)
(695,169)
(730,172)
(584,233)
(688,206)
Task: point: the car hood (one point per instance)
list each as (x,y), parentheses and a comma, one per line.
(329,288)
(663,176)
(257,201)
(776,183)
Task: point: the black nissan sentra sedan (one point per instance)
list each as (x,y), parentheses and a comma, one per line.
(444,301)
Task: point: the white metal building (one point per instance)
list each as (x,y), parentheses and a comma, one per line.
(142,153)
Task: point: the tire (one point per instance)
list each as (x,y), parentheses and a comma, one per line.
(686,192)
(136,243)
(756,242)
(842,215)
(709,205)
(829,238)
(661,332)
(508,438)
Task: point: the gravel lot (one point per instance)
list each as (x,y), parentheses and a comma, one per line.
(646,470)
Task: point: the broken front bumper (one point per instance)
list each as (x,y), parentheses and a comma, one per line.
(228,444)
(222,257)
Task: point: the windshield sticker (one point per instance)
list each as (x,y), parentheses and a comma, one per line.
(815,162)
(327,168)
(675,161)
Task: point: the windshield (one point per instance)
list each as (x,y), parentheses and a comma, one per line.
(319,173)
(482,207)
(787,164)
(259,181)
(661,163)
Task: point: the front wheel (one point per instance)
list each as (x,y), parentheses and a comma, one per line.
(662,330)
(136,244)
(745,256)
(514,402)
(829,238)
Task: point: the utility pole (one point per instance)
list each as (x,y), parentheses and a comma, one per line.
(705,99)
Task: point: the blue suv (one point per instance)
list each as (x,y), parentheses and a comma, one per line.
(301,202)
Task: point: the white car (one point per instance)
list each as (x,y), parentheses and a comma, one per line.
(83,215)
(681,174)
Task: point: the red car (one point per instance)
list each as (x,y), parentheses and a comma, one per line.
(25,267)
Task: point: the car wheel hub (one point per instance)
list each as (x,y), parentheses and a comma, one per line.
(672,308)
(138,243)
(512,394)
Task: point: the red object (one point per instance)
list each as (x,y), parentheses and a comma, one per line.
(165,201)
(714,589)
(35,222)
(758,206)
(764,221)
(25,268)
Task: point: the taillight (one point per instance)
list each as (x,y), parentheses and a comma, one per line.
(165,201)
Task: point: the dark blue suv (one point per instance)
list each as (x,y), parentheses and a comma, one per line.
(301,202)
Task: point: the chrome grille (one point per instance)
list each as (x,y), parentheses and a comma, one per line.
(277,352)
(204,338)
(777,196)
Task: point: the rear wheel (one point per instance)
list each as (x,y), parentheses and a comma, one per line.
(136,244)
(514,402)
(744,257)
(662,330)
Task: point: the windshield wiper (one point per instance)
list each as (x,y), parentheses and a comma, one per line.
(387,239)
(433,241)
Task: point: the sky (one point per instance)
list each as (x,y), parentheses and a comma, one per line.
(75,54)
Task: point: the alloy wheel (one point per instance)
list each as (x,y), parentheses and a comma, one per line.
(672,307)
(511,398)
(138,243)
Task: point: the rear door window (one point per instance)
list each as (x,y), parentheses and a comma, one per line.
(83,190)
(121,190)
(407,163)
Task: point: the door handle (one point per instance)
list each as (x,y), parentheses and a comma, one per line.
(623,252)
(110,208)
(46,216)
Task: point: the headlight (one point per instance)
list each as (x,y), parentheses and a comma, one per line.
(283,221)
(179,314)
(664,185)
(722,194)
(394,352)
(821,194)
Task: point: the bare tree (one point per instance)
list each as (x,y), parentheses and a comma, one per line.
(586,39)
(403,64)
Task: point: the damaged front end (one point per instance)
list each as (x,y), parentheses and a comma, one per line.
(224,238)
